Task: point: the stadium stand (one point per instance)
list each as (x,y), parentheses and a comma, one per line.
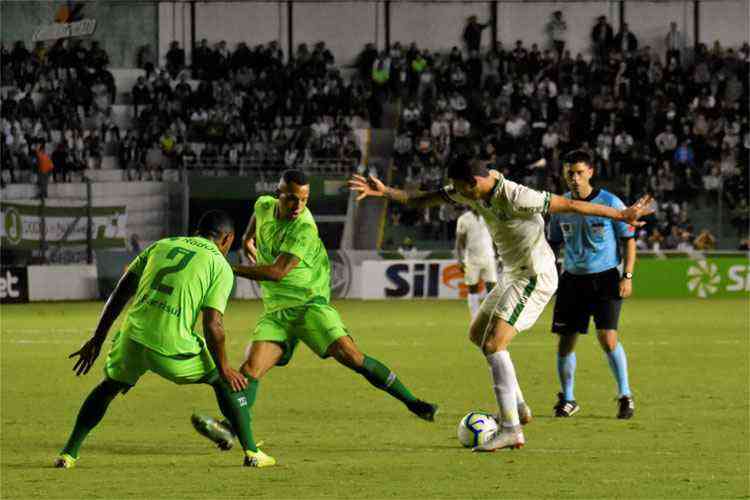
(677,129)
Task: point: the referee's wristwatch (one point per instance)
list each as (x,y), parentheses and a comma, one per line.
(627,276)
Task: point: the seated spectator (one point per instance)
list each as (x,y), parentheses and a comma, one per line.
(457,102)
(705,241)
(461,127)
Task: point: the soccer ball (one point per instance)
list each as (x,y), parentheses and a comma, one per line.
(476,428)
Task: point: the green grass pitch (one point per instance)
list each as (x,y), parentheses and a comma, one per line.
(337,437)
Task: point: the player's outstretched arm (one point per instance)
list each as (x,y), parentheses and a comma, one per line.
(283,264)
(372,186)
(213,330)
(248,241)
(641,208)
(124,291)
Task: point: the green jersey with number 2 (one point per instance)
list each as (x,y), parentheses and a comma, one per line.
(178,278)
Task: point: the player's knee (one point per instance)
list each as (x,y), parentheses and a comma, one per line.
(607,339)
(566,345)
(112,388)
(347,354)
(476,331)
(252,370)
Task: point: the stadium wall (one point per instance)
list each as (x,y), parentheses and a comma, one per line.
(725,20)
(124,26)
(76,282)
(438,25)
(153,208)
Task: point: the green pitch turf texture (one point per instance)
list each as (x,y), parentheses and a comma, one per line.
(337,437)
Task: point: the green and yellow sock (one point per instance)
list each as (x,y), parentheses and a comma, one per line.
(384,379)
(236,407)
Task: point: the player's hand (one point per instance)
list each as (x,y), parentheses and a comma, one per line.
(626,288)
(87,354)
(640,208)
(251,252)
(371,186)
(234,378)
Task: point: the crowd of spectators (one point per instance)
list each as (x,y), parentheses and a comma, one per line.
(250,106)
(674,124)
(56,108)
(676,129)
(246,107)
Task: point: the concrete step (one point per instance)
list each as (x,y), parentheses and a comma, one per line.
(99,175)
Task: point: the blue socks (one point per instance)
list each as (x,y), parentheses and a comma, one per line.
(566,370)
(618,362)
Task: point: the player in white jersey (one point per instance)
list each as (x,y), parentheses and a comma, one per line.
(476,256)
(514,215)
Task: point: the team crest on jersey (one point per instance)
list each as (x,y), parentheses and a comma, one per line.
(597,228)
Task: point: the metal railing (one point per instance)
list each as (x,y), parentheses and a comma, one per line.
(326,167)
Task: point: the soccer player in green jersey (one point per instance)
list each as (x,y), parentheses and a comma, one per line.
(171,283)
(292,267)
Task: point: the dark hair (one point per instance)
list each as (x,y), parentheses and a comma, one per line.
(296,176)
(463,167)
(215,223)
(578,156)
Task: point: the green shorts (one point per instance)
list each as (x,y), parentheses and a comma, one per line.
(128,360)
(317,325)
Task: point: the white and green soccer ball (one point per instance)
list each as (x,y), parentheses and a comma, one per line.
(476,428)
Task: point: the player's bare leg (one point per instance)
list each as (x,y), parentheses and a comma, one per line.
(494,341)
(346,352)
(618,363)
(480,328)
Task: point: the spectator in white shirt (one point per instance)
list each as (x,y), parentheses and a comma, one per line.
(624,142)
(461,127)
(604,148)
(440,127)
(411,114)
(674,42)
(199,116)
(457,102)
(547,88)
(551,138)
(666,142)
(516,126)
(556,29)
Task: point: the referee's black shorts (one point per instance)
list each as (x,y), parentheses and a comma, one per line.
(584,295)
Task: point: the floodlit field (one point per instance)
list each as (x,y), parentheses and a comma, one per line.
(336,436)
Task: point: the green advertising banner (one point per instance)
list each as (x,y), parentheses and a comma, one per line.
(21,226)
(709,277)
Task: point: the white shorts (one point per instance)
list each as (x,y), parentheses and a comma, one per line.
(484,269)
(520,300)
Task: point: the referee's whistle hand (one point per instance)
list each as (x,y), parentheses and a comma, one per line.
(626,288)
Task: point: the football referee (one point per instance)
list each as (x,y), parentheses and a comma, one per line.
(591,284)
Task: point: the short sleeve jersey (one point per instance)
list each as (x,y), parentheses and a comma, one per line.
(178,278)
(591,243)
(514,216)
(478,239)
(311,278)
